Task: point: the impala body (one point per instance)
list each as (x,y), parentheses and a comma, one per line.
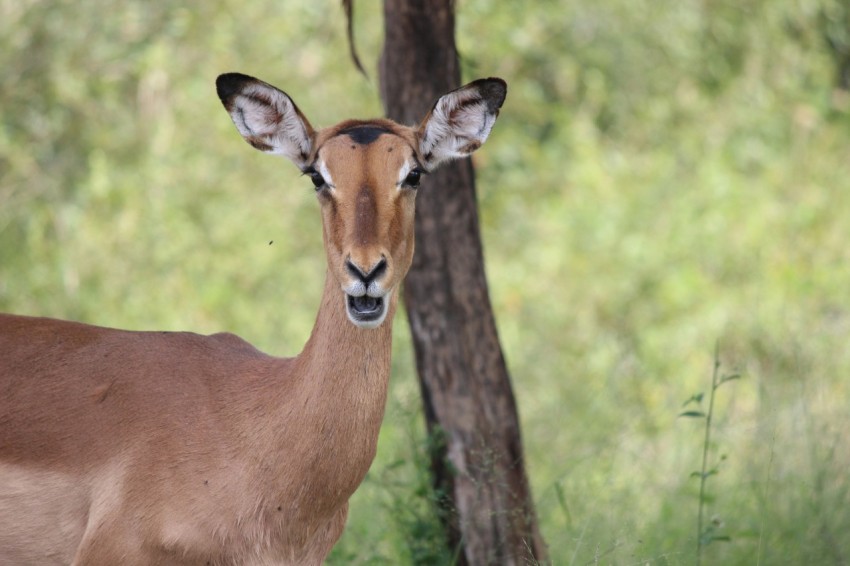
(146,448)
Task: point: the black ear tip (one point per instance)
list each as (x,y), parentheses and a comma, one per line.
(496,81)
(228,84)
(494,90)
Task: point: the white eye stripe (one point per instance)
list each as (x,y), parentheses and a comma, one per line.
(404,172)
(326,175)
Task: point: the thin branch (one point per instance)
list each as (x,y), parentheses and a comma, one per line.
(348,6)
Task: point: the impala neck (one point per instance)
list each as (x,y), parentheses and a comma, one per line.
(337,345)
(346,368)
(335,401)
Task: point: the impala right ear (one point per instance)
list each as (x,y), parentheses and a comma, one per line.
(266,117)
(460,121)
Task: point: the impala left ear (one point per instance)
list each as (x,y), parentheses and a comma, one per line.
(266,117)
(460,121)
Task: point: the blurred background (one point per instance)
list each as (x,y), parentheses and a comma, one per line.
(665,178)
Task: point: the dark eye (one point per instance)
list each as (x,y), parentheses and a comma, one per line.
(413,178)
(315,177)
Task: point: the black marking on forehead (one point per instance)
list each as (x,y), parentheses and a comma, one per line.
(364,134)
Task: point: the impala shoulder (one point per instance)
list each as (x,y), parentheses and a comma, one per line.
(202,345)
(232,341)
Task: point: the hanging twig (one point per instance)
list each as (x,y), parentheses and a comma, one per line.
(348,6)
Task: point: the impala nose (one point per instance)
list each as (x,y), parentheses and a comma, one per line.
(367,276)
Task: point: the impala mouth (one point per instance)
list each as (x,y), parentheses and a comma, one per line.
(366,311)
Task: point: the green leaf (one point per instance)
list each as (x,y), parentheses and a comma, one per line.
(695,398)
(562,501)
(726,378)
(692,414)
(709,537)
(705,475)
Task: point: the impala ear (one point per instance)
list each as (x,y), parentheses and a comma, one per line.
(460,121)
(266,117)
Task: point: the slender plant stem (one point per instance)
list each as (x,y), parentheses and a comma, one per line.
(702,476)
(764,498)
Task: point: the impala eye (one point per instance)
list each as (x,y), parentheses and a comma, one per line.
(413,178)
(315,177)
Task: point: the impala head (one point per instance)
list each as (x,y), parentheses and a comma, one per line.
(366,174)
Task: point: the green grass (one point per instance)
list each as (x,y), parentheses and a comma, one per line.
(662,178)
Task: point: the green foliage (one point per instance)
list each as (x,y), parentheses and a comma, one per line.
(663,174)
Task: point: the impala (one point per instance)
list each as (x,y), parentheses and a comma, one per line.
(145,448)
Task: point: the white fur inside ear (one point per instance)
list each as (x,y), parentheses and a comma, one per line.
(267,119)
(459,123)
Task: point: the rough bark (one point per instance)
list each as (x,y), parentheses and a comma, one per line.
(477,461)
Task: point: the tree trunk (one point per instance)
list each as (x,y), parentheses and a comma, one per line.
(477,461)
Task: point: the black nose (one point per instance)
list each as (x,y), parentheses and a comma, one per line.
(366,276)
